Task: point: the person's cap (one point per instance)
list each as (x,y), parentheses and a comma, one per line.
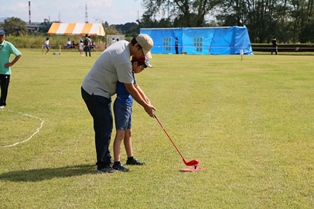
(2,32)
(143,60)
(146,42)
(147,63)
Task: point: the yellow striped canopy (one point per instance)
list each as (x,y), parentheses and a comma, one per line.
(92,29)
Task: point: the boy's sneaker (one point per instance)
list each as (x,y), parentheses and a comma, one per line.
(120,167)
(134,162)
(107,169)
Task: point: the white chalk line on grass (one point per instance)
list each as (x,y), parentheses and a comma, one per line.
(31,136)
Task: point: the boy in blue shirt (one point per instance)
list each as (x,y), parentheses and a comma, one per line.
(123,117)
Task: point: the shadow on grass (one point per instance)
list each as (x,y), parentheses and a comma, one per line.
(47,173)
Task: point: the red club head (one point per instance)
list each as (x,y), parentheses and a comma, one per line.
(191,162)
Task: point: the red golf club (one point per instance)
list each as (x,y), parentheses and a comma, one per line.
(187,163)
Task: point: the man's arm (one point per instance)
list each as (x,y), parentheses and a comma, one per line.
(9,64)
(138,98)
(141,92)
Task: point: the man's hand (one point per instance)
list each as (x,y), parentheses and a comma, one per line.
(7,65)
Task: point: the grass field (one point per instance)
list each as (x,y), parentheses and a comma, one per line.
(249,123)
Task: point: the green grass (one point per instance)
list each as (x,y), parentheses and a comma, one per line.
(250,123)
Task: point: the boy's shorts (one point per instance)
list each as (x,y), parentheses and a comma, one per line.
(123,116)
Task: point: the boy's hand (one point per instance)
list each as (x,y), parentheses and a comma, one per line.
(150,110)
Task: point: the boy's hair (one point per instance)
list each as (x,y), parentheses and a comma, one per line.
(139,63)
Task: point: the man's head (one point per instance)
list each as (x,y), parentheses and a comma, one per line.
(141,46)
(2,35)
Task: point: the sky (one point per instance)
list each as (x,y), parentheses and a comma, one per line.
(68,11)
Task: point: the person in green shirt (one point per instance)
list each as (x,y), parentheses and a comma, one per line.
(6,49)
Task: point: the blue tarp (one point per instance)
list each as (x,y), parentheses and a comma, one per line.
(216,41)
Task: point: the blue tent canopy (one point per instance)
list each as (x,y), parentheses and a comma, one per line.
(216,41)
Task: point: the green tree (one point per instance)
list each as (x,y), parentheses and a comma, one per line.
(186,13)
(15,26)
(128,29)
(110,29)
(303,16)
(288,20)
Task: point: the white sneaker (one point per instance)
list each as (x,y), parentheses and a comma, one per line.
(2,106)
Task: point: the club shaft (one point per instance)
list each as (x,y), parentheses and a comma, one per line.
(163,128)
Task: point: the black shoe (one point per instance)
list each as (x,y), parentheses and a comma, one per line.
(134,162)
(2,105)
(107,169)
(120,167)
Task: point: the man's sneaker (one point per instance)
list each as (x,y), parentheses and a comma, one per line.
(134,162)
(2,106)
(120,167)
(106,170)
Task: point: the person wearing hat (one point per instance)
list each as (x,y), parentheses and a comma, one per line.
(122,108)
(100,84)
(6,49)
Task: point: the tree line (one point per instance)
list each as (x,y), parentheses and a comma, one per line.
(290,21)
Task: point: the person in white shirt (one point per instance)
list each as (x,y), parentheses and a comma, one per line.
(81,47)
(47,45)
(69,45)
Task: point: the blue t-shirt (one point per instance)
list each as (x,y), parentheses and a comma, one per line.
(123,96)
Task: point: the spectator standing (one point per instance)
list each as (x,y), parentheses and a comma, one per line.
(87,45)
(176,45)
(6,49)
(275,46)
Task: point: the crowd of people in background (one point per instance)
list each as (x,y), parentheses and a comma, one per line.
(86,44)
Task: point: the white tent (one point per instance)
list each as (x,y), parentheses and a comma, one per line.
(92,29)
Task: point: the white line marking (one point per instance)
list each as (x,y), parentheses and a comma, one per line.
(37,130)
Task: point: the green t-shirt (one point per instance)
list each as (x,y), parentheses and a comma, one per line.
(6,49)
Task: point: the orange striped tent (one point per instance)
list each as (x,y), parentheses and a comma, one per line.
(92,29)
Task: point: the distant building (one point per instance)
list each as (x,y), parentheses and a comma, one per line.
(39,27)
